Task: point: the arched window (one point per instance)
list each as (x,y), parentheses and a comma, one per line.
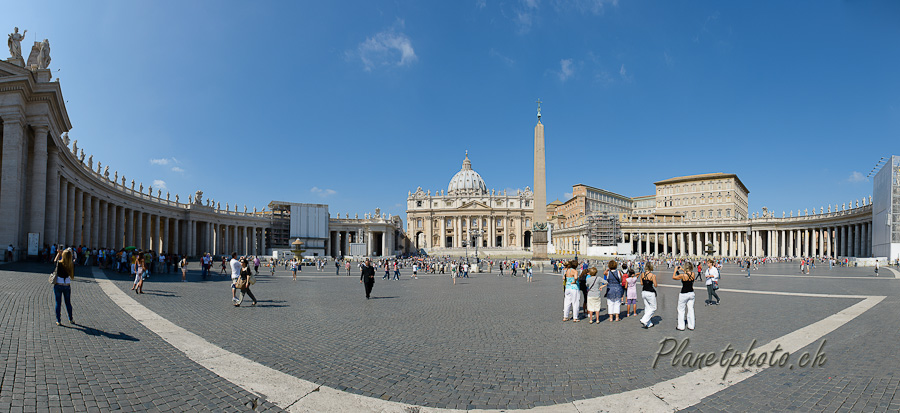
(527,223)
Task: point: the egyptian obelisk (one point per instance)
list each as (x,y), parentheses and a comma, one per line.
(539,242)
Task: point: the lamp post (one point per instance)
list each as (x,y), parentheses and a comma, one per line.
(473,235)
(577,243)
(466,244)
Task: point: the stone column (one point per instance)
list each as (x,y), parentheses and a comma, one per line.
(95,222)
(102,224)
(369,241)
(164,227)
(178,248)
(129,227)
(52,201)
(38,183)
(867,240)
(75,219)
(857,241)
(12,180)
(118,241)
(384,241)
(64,206)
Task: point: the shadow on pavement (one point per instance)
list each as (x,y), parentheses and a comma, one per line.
(95,332)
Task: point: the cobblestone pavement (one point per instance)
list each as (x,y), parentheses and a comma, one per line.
(105,362)
(487,342)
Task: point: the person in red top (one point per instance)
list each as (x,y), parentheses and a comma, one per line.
(699,268)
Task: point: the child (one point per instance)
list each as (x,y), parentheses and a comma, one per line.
(631,293)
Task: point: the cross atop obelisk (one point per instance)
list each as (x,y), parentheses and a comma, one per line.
(539,252)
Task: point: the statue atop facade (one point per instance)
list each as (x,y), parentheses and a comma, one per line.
(81,157)
(65,139)
(254,210)
(829,208)
(857,203)
(792,213)
(357,216)
(159,193)
(377,212)
(245,208)
(43,59)
(198,197)
(218,206)
(75,147)
(106,172)
(116,178)
(821,210)
(226,207)
(782,214)
(843,206)
(90,161)
(132,184)
(141,186)
(177,199)
(190,199)
(15,43)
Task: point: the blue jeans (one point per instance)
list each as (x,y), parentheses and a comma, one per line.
(63,292)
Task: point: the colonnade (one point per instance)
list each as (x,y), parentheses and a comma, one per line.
(51,194)
(851,239)
(380,240)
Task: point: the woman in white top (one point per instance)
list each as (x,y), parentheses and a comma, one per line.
(183,265)
(62,283)
(712,282)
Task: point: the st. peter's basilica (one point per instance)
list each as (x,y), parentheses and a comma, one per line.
(467,213)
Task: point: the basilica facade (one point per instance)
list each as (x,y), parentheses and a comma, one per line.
(467,214)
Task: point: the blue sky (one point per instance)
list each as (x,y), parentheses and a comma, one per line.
(354,104)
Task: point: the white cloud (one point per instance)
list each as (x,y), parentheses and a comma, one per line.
(856,177)
(159,184)
(165,161)
(500,56)
(566,70)
(596,7)
(567,196)
(480,3)
(177,169)
(624,74)
(322,192)
(387,48)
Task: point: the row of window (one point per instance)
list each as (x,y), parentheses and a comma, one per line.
(450,203)
(607,199)
(709,214)
(694,187)
(474,222)
(693,201)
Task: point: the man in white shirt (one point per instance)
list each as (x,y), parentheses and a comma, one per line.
(205,266)
(712,282)
(235,274)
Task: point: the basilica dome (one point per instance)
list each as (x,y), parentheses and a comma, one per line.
(467,181)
